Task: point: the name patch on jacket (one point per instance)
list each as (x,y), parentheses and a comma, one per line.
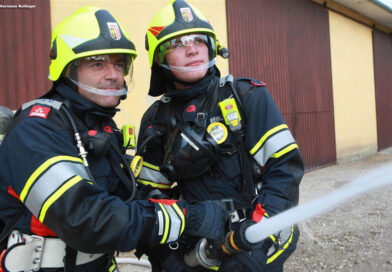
(39,111)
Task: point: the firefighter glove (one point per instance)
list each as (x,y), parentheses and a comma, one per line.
(245,261)
(174,218)
(206,220)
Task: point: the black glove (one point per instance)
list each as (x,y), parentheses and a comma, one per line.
(206,220)
(245,261)
(236,241)
(173,218)
(175,263)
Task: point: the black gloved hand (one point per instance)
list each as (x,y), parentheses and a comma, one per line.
(206,219)
(176,217)
(245,261)
(235,241)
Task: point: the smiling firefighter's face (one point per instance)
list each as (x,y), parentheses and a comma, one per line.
(105,72)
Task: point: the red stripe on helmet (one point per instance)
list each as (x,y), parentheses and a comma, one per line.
(155,30)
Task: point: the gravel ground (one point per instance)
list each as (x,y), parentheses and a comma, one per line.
(355,236)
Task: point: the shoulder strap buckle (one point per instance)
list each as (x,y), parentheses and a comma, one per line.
(165,99)
(223,80)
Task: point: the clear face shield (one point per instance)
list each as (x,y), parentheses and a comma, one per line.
(117,69)
(202,43)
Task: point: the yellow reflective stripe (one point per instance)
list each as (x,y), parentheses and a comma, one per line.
(151,173)
(149,165)
(136,165)
(284,151)
(57,195)
(277,254)
(41,169)
(166,224)
(265,136)
(153,184)
(181,215)
(215,268)
(113,266)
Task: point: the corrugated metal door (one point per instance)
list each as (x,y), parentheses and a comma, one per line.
(25,28)
(382,46)
(286,44)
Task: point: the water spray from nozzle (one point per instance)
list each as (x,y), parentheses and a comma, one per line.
(372,180)
(256,233)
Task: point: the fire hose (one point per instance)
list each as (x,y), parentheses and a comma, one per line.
(205,255)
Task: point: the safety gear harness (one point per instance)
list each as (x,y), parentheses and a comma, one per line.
(40,252)
(165,112)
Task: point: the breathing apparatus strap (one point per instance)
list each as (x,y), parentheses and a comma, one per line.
(248,187)
(239,133)
(127,178)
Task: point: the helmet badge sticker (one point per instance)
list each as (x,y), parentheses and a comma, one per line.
(186,14)
(114,31)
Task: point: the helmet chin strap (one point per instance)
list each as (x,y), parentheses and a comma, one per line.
(124,96)
(169,75)
(90,89)
(168,72)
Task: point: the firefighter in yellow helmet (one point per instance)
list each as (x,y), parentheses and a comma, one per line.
(67,188)
(222,139)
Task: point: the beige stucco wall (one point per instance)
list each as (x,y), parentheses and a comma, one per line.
(353,87)
(135,16)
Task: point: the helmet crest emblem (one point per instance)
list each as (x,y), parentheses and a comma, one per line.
(114,31)
(186,14)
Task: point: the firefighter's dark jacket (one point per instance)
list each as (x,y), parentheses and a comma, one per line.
(41,169)
(267,140)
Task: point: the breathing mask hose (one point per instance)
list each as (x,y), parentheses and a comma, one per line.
(130,174)
(79,143)
(140,149)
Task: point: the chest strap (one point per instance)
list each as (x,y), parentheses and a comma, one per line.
(238,130)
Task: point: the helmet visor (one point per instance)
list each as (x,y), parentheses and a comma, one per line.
(180,45)
(120,68)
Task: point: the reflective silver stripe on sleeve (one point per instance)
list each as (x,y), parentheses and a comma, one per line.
(50,181)
(153,176)
(175,224)
(273,145)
